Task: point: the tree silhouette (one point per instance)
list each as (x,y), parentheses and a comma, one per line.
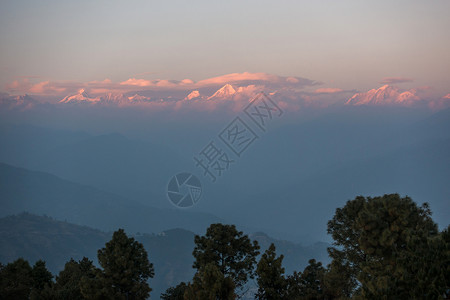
(374,238)
(271,281)
(175,293)
(16,280)
(229,250)
(125,271)
(42,278)
(210,283)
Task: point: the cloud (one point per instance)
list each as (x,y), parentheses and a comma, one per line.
(395,80)
(328,91)
(265,79)
(442,103)
(46,87)
(138,82)
(237,77)
(25,86)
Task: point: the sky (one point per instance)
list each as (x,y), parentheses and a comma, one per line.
(342,44)
(131,67)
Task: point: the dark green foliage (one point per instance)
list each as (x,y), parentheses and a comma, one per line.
(294,286)
(308,285)
(338,281)
(16,280)
(41,276)
(210,283)
(271,281)
(426,265)
(42,279)
(36,237)
(126,269)
(312,280)
(68,282)
(378,242)
(229,250)
(385,248)
(175,293)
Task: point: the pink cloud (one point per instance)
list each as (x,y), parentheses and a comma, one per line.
(186,82)
(271,82)
(138,82)
(394,80)
(24,86)
(236,77)
(292,80)
(247,78)
(46,87)
(443,102)
(328,91)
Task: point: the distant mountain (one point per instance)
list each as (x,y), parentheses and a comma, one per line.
(132,168)
(385,95)
(421,171)
(193,95)
(80,97)
(224,92)
(19,101)
(43,193)
(118,99)
(136,98)
(36,237)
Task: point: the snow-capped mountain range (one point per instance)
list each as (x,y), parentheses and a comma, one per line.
(109,98)
(225,92)
(81,96)
(385,95)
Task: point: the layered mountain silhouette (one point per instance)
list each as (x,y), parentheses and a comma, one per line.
(43,193)
(36,237)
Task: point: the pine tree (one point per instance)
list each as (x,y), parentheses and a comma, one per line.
(373,238)
(271,281)
(229,250)
(210,283)
(312,280)
(16,280)
(175,293)
(68,282)
(42,278)
(126,269)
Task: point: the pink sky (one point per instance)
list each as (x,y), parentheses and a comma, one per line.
(54,46)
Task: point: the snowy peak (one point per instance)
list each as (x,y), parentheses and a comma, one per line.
(112,97)
(83,93)
(385,95)
(224,92)
(138,98)
(107,99)
(192,95)
(82,96)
